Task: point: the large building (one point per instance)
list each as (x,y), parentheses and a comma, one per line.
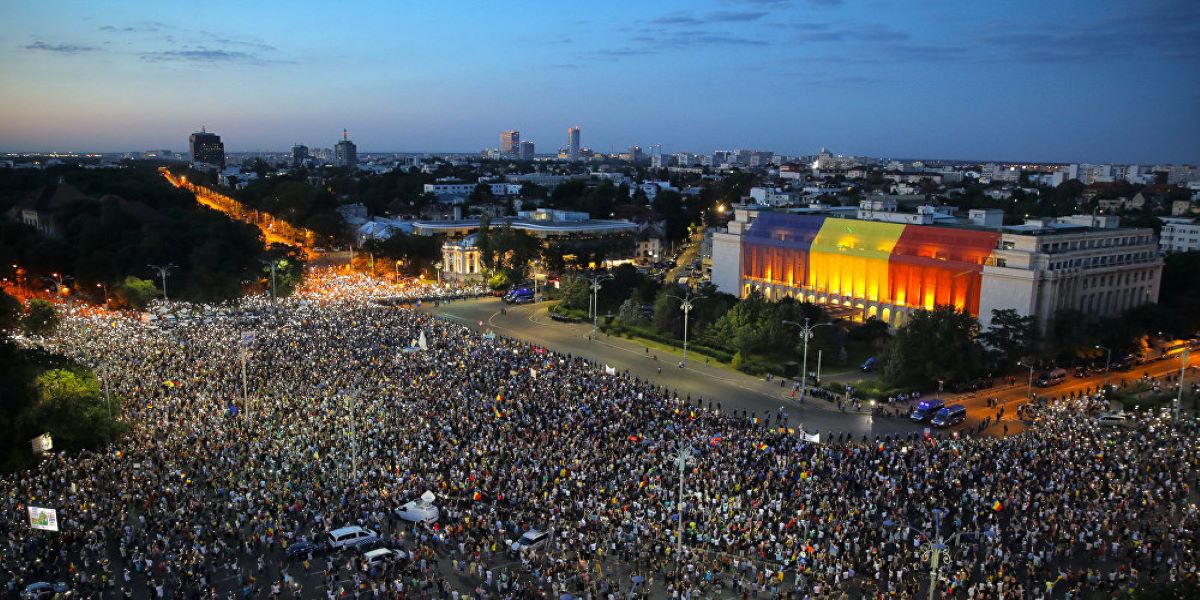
(525,150)
(207,148)
(889,269)
(573,142)
(299,155)
(510,142)
(1180,235)
(345,153)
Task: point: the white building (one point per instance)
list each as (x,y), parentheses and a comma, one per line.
(1179,235)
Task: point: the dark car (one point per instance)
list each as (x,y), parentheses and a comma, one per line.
(42,589)
(303,548)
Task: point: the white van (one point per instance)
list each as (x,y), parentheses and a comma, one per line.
(421,510)
(351,536)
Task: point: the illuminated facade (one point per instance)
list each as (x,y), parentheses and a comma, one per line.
(886,270)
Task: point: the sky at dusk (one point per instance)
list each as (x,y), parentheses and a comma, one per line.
(1065,80)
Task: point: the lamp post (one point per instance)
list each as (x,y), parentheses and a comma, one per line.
(438,266)
(686,303)
(60,283)
(1183,365)
(596,281)
(682,459)
(162,273)
(806,332)
(935,551)
(351,400)
(1107,363)
(104,288)
(270,264)
(1029,391)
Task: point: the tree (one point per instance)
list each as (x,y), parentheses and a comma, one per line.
(71,407)
(630,312)
(1010,337)
(10,312)
(936,345)
(576,293)
(137,293)
(41,319)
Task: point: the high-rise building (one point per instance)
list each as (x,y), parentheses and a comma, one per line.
(299,155)
(207,148)
(525,151)
(656,157)
(510,142)
(345,153)
(635,154)
(573,142)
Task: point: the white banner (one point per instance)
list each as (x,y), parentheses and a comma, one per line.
(812,437)
(42,444)
(610,370)
(43,518)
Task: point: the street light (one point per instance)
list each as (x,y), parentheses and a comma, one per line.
(162,273)
(682,459)
(935,551)
(1107,363)
(438,266)
(686,304)
(60,283)
(1029,392)
(596,281)
(806,332)
(270,264)
(350,397)
(1183,365)
(104,288)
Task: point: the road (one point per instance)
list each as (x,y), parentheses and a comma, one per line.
(738,391)
(711,383)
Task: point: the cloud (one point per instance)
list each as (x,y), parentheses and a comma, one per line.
(145,27)
(206,56)
(1164,30)
(824,3)
(718,16)
(59,48)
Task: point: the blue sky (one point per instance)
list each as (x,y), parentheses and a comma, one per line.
(1066,80)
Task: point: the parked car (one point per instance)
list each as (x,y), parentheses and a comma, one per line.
(381,556)
(926,409)
(534,538)
(301,549)
(45,590)
(950,415)
(351,536)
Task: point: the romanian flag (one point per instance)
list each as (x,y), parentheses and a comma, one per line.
(477,496)
(716,441)
(755,420)
(499,415)
(997,506)
(763,447)
(633,438)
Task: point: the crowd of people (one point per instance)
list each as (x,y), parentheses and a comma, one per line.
(275,422)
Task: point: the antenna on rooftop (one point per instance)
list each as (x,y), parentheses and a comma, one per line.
(203,129)
(345,136)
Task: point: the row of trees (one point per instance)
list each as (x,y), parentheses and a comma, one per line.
(131,218)
(46,393)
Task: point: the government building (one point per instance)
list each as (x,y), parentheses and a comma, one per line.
(872,261)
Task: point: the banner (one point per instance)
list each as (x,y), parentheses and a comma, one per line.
(812,437)
(610,370)
(43,518)
(42,444)
(421,343)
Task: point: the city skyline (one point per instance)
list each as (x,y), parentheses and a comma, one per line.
(1071,82)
